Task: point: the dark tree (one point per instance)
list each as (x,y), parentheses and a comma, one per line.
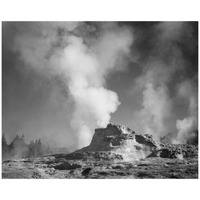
(18,147)
(5,148)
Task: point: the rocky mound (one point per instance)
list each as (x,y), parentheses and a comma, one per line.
(122,141)
(179,151)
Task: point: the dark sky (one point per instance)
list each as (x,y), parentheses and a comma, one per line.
(162,61)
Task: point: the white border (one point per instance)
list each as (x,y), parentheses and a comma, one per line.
(103,10)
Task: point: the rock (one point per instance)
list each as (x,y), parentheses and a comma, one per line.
(118,167)
(178,151)
(67,166)
(122,141)
(86,171)
(142,164)
(36,175)
(193,138)
(50,171)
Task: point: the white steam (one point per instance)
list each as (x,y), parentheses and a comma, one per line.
(83,62)
(159,72)
(186,126)
(156,105)
(86,69)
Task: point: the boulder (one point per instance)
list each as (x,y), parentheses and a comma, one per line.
(67,166)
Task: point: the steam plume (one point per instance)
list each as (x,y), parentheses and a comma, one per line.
(156,105)
(186,126)
(82,62)
(165,60)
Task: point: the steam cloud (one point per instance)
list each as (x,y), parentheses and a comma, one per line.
(156,105)
(164,62)
(189,124)
(82,62)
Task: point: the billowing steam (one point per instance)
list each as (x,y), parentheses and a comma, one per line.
(188,125)
(164,61)
(82,62)
(156,105)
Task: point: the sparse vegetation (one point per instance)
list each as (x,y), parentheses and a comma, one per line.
(19,149)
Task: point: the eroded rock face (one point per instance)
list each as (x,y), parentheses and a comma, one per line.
(122,141)
(179,151)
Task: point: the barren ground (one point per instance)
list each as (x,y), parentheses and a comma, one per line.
(80,167)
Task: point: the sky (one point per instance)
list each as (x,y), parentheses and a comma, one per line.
(61,80)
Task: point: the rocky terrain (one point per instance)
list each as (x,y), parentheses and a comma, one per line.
(114,152)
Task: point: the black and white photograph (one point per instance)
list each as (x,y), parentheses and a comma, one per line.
(100,100)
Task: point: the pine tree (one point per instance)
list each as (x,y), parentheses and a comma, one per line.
(5,148)
(4,142)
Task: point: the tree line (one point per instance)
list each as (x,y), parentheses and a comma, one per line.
(19,149)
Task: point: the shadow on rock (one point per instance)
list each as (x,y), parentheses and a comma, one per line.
(67,166)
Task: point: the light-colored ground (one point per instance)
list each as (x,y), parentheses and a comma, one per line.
(61,166)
